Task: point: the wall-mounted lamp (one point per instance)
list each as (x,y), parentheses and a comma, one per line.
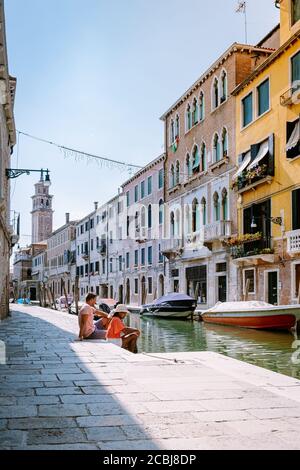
(15,172)
(274,220)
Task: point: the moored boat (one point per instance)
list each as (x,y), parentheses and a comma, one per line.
(253,314)
(170,306)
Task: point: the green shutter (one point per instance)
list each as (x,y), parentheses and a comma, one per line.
(247,110)
(296,69)
(263,97)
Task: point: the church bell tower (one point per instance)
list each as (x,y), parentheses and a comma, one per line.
(42,213)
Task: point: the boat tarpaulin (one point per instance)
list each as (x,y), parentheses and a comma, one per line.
(173,297)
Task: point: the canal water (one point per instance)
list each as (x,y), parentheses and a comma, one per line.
(271,350)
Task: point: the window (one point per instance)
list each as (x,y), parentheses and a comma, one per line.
(97,242)
(295,63)
(91,267)
(149,254)
(150,285)
(160,178)
(149,216)
(110,237)
(201,107)
(224,143)
(249,281)
(263,98)
(160,255)
(177,175)
(188,164)
(120,207)
(195,216)
(216,149)
(195,112)
(296,209)
(223,87)
(247,105)
(81,229)
(142,189)
(78,250)
(172,225)
(120,262)
(86,269)
(216,207)
(172,177)
(92,244)
(97,266)
(143,258)
(103,266)
(127,225)
(295,11)
(136,257)
(177,127)
(215,94)
(136,194)
(197,283)
(203,208)
(172,132)
(161,212)
(136,286)
(127,260)
(92,223)
(127,198)
(110,265)
(86,226)
(221,267)
(149,185)
(203,157)
(188,118)
(224,204)
(196,159)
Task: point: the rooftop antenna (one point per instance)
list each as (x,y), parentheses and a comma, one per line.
(242,8)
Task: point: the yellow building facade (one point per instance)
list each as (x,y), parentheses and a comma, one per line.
(267,181)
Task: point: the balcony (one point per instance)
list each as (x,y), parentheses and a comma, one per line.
(254,252)
(171,247)
(293,242)
(217,231)
(291,96)
(102,249)
(85,255)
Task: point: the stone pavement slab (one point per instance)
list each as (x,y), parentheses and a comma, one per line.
(59,393)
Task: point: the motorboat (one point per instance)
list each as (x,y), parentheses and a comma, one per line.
(253,314)
(170,306)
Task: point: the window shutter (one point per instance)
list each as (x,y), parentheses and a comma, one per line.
(254,151)
(296,209)
(271,162)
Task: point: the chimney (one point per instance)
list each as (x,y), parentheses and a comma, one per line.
(67,217)
(96,205)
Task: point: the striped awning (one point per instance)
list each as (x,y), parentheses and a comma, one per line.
(295,137)
(263,150)
(245,163)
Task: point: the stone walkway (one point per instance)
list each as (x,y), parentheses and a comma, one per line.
(58,393)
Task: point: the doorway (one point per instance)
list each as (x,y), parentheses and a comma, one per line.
(222,288)
(273,287)
(121,293)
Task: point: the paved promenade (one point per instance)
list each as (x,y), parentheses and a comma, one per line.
(58,393)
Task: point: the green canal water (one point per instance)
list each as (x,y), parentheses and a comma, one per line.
(271,350)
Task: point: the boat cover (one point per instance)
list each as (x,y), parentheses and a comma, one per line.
(172,297)
(240,306)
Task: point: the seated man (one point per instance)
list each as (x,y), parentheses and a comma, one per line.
(87,328)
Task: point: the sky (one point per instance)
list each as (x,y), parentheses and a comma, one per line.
(97,75)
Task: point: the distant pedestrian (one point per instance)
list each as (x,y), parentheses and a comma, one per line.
(87,328)
(120,335)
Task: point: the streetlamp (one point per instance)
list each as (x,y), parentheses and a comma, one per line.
(15,172)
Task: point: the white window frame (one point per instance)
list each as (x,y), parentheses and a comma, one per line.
(257,116)
(244,279)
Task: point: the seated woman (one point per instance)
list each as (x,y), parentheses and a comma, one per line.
(87,328)
(117,333)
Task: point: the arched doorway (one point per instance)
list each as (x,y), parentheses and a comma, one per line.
(127,293)
(161,285)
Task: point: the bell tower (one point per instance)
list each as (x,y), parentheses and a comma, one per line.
(42,213)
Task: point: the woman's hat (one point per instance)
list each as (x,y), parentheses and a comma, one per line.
(121,308)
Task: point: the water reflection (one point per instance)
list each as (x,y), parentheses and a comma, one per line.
(272,350)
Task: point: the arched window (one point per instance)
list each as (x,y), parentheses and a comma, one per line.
(195,216)
(224,204)
(188,163)
(149,216)
(177,223)
(203,157)
(215,100)
(196,159)
(188,227)
(161,212)
(216,148)
(195,114)
(177,176)
(188,118)
(177,126)
(136,219)
(203,208)
(143,217)
(224,143)
(172,225)
(172,177)
(223,86)
(201,107)
(216,206)
(172,131)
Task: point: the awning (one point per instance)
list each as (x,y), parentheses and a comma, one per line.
(245,163)
(295,137)
(263,150)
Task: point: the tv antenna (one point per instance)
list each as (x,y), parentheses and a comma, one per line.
(242,8)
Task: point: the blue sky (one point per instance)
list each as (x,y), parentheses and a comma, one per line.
(97,75)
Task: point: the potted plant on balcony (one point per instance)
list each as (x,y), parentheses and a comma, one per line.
(241,239)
